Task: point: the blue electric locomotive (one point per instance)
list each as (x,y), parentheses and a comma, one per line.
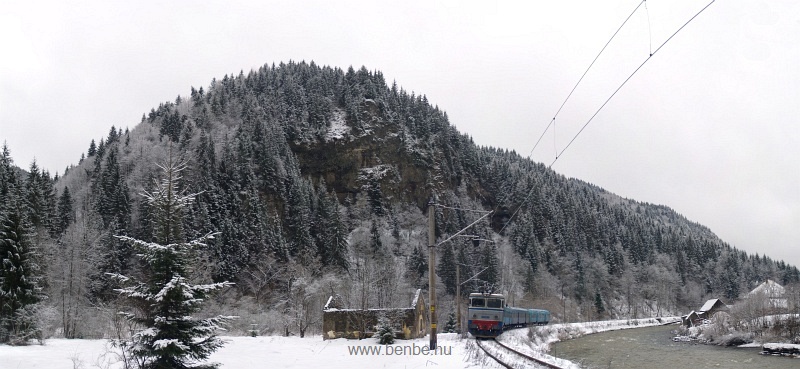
(488,315)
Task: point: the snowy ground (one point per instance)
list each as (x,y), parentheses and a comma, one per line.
(256,352)
(313,352)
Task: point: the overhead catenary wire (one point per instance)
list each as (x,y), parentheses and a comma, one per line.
(552,121)
(461,209)
(465,228)
(649,28)
(626,81)
(559,154)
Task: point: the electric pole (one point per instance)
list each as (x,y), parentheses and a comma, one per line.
(432,263)
(432,271)
(458,293)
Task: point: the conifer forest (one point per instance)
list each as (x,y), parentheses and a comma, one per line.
(271,190)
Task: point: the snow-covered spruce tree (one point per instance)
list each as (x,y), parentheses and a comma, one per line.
(164,299)
(450,325)
(384,332)
(447,270)
(20,278)
(19,282)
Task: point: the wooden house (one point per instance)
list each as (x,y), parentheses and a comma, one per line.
(691,319)
(711,307)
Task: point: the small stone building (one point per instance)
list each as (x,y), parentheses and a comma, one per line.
(409,322)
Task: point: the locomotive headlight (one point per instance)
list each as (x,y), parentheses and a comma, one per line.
(474,316)
(495,317)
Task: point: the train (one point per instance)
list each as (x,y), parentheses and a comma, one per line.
(488,315)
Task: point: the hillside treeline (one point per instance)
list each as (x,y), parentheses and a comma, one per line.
(317,180)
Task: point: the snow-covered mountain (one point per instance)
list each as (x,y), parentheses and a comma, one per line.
(318,178)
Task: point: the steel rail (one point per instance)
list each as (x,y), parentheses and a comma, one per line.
(531,358)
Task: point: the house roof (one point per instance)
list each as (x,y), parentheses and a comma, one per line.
(769,288)
(710,305)
(416,298)
(334,305)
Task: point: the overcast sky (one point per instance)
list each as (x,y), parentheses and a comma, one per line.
(709,126)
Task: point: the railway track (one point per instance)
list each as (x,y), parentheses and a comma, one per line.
(506,365)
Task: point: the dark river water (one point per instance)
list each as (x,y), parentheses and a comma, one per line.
(652,347)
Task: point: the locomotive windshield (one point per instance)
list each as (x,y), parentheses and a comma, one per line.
(487,302)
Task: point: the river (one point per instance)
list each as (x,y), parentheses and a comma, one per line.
(652,347)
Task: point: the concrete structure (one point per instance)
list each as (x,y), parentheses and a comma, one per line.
(410,322)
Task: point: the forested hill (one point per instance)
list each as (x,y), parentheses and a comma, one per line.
(318,178)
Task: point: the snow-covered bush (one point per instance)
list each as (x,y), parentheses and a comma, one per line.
(735,339)
(450,325)
(47,320)
(384,332)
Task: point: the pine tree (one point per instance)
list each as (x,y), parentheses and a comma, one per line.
(524,241)
(172,125)
(580,278)
(277,243)
(384,332)
(19,282)
(598,304)
(65,215)
(490,262)
(446,270)
(450,325)
(465,270)
(50,207)
(375,237)
(8,179)
(166,300)
(92,149)
(417,267)
(101,148)
(375,195)
(730,276)
(113,202)
(35,197)
(113,136)
(298,219)
(330,230)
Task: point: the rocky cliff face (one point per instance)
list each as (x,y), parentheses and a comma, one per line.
(352,158)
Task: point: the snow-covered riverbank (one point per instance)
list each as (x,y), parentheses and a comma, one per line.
(536,341)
